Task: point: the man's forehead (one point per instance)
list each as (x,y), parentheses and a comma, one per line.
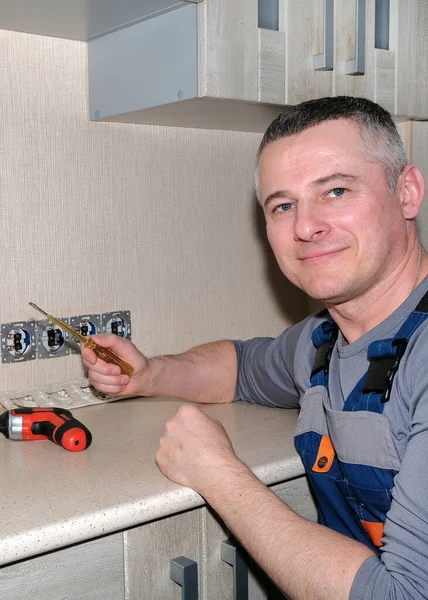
(326,137)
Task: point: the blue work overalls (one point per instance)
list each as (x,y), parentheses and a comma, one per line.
(348,455)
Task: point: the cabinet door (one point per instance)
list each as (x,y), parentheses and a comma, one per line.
(361,69)
(89,571)
(309,32)
(227,49)
(409,34)
(241,61)
(218,576)
(149,549)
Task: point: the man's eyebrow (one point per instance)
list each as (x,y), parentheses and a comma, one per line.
(316,182)
(275,195)
(334,177)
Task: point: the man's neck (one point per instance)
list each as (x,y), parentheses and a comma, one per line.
(358,316)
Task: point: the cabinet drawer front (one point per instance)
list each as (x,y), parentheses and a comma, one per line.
(89,571)
(149,549)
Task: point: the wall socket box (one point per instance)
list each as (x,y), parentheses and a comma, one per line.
(18,342)
(118,323)
(51,340)
(86,325)
(27,340)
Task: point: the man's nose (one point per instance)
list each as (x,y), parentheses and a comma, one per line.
(310,223)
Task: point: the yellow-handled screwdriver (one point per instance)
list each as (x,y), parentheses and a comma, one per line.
(103,353)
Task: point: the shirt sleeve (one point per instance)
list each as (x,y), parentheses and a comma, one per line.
(401,572)
(266,369)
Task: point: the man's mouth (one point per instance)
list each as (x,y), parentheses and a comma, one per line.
(320,255)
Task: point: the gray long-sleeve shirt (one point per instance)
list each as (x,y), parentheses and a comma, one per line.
(276,372)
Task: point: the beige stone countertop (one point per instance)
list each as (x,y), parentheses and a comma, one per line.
(51,498)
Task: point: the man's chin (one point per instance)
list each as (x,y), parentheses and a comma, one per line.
(326,295)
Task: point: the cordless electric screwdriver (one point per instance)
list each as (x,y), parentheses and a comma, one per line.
(55,424)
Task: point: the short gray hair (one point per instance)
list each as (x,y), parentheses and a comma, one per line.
(381,141)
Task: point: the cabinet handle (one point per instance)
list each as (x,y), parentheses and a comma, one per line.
(184,571)
(382,12)
(233,555)
(324,61)
(357,65)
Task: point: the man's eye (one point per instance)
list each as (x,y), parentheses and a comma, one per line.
(337,192)
(284,207)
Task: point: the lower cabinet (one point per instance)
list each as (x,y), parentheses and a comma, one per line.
(188,556)
(224,572)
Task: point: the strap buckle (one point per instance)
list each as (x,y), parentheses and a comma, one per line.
(401,344)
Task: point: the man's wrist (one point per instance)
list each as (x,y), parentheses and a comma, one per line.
(227,480)
(151,376)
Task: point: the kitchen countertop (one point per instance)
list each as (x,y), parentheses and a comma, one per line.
(51,498)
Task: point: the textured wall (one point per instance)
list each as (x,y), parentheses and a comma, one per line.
(98,216)
(420,158)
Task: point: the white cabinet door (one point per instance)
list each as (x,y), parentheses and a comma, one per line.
(89,571)
(149,548)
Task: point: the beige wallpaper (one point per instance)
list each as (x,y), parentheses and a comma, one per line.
(420,158)
(97,217)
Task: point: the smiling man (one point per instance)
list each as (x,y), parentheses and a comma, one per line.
(340,202)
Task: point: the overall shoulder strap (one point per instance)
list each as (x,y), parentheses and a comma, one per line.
(374,389)
(323,337)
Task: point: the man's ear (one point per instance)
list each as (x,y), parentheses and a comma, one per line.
(411,189)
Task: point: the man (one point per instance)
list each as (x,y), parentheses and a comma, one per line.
(340,203)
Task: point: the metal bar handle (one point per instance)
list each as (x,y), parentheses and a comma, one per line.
(382,14)
(357,65)
(233,555)
(324,61)
(184,571)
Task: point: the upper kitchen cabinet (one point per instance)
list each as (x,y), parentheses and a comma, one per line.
(232,64)
(381,53)
(226,64)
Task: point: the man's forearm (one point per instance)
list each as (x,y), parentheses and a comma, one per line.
(205,374)
(306,560)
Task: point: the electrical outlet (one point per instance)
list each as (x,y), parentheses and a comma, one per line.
(118,322)
(18,342)
(51,339)
(86,325)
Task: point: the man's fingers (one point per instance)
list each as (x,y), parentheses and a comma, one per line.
(107,379)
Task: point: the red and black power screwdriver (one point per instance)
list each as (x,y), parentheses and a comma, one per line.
(55,424)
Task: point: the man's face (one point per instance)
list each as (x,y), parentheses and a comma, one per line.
(333,226)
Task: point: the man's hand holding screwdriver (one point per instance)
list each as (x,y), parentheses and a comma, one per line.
(107,377)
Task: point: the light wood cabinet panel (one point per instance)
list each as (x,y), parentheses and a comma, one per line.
(297,495)
(396,77)
(217,579)
(90,571)
(228,41)
(304,22)
(410,37)
(218,575)
(377,79)
(149,548)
